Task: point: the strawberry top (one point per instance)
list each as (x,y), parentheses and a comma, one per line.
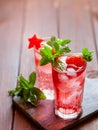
(35,42)
(76,60)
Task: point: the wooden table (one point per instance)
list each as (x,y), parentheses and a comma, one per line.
(19,20)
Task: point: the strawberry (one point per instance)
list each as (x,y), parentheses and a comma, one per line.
(76,60)
(53,51)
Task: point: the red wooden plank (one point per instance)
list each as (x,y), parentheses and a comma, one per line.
(10,38)
(94,16)
(40,18)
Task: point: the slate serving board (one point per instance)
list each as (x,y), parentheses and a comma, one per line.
(43,116)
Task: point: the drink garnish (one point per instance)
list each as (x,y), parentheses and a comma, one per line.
(76,60)
(35,42)
(87,55)
(55,48)
(79,60)
(27,91)
(52,50)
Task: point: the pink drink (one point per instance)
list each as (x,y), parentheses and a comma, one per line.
(68,85)
(44,76)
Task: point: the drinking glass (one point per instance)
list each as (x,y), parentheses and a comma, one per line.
(44,79)
(68,86)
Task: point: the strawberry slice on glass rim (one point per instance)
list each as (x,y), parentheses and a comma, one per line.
(74,64)
(77,60)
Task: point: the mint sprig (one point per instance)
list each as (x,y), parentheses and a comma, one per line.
(59,47)
(27,91)
(87,55)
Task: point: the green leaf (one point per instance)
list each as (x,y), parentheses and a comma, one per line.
(26,90)
(32,78)
(56,46)
(16,91)
(26,94)
(47,56)
(53,38)
(59,64)
(30,85)
(38,93)
(64,42)
(33,100)
(11,92)
(44,60)
(46,51)
(52,41)
(49,43)
(65,50)
(87,55)
(59,41)
(23,82)
(50,56)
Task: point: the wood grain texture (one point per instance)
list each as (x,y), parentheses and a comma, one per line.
(20,19)
(40,18)
(94,18)
(75,23)
(10,38)
(75,18)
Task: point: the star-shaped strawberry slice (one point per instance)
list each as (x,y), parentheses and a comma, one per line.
(35,42)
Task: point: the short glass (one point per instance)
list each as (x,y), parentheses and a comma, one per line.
(44,79)
(69,86)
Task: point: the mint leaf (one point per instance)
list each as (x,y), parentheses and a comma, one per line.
(38,93)
(25,94)
(87,55)
(65,50)
(53,38)
(63,42)
(23,82)
(32,78)
(44,60)
(46,51)
(53,49)
(47,56)
(59,64)
(27,91)
(33,100)
(12,92)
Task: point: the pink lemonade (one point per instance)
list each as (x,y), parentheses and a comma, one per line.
(44,77)
(69,85)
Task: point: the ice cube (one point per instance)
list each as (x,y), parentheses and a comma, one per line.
(62,77)
(71,72)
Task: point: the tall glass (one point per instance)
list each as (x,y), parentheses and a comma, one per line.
(44,74)
(68,86)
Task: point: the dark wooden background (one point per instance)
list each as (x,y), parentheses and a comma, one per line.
(20,19)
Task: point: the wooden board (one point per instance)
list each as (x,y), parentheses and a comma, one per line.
(43,116)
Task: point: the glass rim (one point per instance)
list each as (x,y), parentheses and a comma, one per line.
(80,69)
